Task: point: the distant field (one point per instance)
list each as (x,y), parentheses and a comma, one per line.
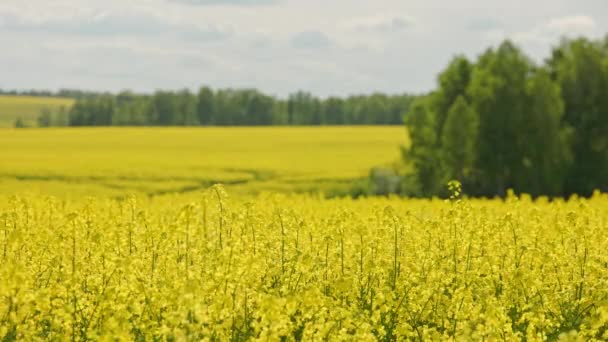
(27,108)
(115,161)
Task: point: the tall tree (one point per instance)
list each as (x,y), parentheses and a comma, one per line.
(186,109)
(458,140)
(498,93)
(581,68)
(162,109)
(453,83)
(205,106)
(333,111)
(259,109)
(423,154)
(548,154)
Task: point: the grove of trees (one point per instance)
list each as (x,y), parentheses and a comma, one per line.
(228,107)
(503,122)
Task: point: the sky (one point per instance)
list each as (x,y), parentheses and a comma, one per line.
(327,47)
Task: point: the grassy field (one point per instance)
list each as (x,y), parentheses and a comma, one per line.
(115,161)
(27,108)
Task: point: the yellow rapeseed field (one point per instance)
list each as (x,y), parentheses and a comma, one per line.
(297,267)
(28,108)
(114,161)
(117,234)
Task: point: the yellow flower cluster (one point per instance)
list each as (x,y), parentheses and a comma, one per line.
(281,267)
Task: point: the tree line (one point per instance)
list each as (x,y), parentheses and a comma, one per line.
(503,122)
(227,107)
(67,93)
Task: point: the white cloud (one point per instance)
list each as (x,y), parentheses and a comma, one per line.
(551,30)
(228,2)
(381,23)
(310,39)
(95,22)
(327,47)
(571,24)
(484,24)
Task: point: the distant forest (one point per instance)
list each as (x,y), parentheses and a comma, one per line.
(224,107)
(67,93)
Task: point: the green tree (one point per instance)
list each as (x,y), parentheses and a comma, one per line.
(259,109)
(423,154)
(378,109)
(458,140)
(304,109)
(453,83)
(548,154)
(205,106)
(581,68)
(103,109)
(498,95)
(280,112)
(162,109)
(399,106)
(502,128)
(186,113)
(333,111)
